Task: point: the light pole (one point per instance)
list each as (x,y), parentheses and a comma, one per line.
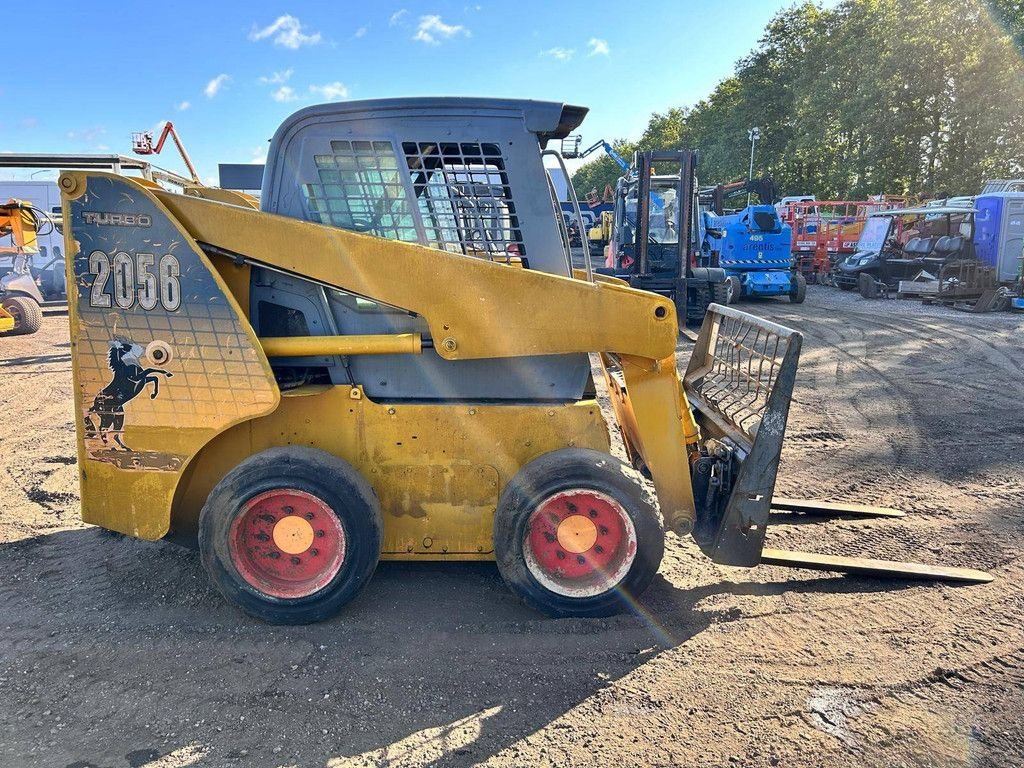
(754,134)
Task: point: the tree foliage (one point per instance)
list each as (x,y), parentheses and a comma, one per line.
(873,96)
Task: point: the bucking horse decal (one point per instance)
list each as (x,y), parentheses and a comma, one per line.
(130,379)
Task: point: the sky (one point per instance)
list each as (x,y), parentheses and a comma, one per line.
(228,73)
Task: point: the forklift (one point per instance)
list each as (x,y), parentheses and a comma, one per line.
(655,242)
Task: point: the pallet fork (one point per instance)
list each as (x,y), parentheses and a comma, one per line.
(739,382)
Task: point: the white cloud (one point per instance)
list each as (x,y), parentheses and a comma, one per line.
(432,30)
(562,54)
(331,91)
(259,155)
(287,32)
(277,78)
(89,134)
(397,16)
(598,47)
(361,32)
(284,93)
(214,86)
(184,105)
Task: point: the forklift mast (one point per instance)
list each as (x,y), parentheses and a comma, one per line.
(644,163)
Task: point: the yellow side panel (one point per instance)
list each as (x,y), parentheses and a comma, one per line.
(437,469)
(163,358)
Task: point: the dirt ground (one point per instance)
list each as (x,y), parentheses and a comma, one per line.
(116,652)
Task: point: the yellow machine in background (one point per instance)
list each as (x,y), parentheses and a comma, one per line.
(304,399)
(20,297)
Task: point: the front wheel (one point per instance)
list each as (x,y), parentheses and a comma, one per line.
(27,314)
(867,286)
(576,534)
(291,535)
(733,289)
(797,289)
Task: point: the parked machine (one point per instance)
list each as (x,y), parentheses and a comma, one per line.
(20,296)
(655,234)
(395,366)
(999,233)
(826,231)
(752,244)
(598,228)
(899,244)
(753,247)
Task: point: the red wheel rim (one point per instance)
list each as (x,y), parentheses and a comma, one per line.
(580,543)
(287,543)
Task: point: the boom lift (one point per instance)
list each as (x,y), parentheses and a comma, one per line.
(598,235)
(142,144)
(389,360)
(752,245)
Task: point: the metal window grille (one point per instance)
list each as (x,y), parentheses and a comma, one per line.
(464,199)
(360,188)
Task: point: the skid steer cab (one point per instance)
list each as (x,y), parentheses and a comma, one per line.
(390,360)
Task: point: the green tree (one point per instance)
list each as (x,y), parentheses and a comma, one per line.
(872,96)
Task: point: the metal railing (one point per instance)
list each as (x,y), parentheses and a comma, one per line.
(742,369)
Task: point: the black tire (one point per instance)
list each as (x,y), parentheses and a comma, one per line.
(733,290)
(797,289)
(697,301)
(336,483)
(28,316)
(565,470)
(867,287)
(720,293)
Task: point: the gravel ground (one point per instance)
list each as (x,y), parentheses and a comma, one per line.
(116,652)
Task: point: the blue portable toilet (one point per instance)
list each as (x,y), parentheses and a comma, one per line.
(999,232)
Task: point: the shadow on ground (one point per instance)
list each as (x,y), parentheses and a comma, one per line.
(433,664)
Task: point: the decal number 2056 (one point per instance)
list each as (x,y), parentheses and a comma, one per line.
(135,280)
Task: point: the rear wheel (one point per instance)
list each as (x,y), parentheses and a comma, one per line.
(733,289)
(291,535)
(27,314)
(698,299)
(720,293)
(866,285)
(797,289)
(576,534)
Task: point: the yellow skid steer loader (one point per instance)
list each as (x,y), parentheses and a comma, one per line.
(389,359)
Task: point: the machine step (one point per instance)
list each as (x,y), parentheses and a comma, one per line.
(870,567)
(829,508)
